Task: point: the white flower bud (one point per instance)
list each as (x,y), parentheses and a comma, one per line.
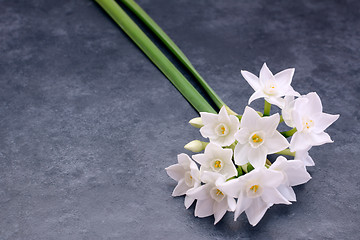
(196,122)
(196,146)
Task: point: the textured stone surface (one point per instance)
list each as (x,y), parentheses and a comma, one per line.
(88,124)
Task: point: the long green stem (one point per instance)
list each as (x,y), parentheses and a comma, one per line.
(289,133)
(155,55)
(267,108)
(155,28)
(286,152)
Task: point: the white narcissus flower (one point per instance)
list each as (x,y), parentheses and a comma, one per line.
(216,159)
(310,123)
(303,155)
(210,197)
(187,174)
(219,128)
(294,172)
(271,87)
(256,192)
(257,137)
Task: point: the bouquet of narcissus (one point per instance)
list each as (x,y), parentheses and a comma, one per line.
(234,164)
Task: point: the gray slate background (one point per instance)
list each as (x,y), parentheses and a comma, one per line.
(88,123)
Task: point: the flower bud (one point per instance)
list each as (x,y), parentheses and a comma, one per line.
(196,146)
(196,122)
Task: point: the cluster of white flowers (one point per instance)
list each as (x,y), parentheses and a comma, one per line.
(234,163)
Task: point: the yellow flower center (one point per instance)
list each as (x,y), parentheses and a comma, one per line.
(271,87)
(219,193)
(222,130)
(256,138)
(217,164)
(189,179)
(307,123)
(254,188)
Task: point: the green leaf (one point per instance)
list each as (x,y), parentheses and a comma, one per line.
(155,28)
(155,55)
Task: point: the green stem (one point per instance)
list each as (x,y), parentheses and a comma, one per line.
(267,107)
(288,133)
(155,28)
(281,119)
(240,171)
(155,55)
(286,152)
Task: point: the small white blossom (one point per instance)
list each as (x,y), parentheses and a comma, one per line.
(256,192)
(294,172)
(310,123)
(187,174)
(271,87)
(210,197)
(219,128)
(257,137)
(216,159)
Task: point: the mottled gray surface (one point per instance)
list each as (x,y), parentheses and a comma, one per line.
(88,124)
